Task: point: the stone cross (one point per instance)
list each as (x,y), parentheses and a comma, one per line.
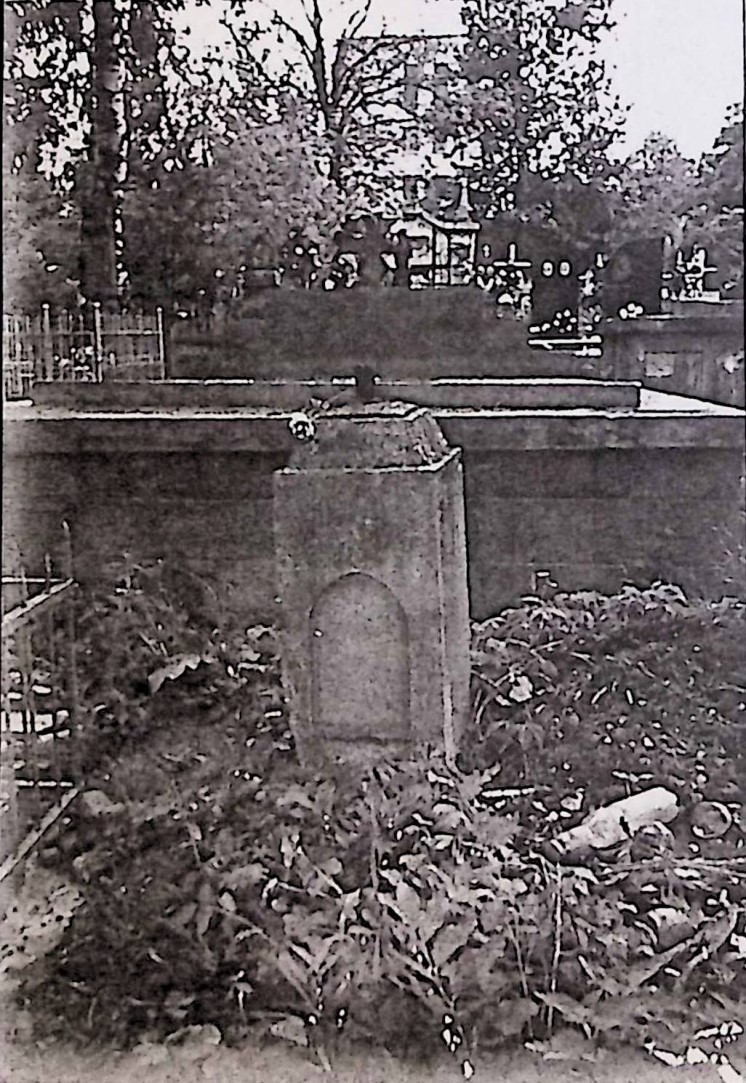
(587,283)
(512,260)
(514,282)
(693,272)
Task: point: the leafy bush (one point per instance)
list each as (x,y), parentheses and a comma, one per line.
(147,617)
(153,642)
(599,693)
(225,884)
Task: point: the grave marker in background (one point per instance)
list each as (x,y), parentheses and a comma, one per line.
(555,299)
(513,286)
(634,277)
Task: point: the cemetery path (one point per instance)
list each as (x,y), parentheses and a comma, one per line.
(275,1064)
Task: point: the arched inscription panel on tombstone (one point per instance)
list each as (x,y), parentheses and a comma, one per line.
(360,662)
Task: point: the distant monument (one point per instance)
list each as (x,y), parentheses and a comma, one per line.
(693,270)
(633,278)
(442,238)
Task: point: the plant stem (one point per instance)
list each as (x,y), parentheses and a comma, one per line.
(519,960)
(557,944)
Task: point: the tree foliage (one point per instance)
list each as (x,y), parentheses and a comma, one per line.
(351,86)
(654,192)
(41,229)
(189,186)
(532,98)
(721,170)
(88,86)
(658,192)
(718,217)
(127,156)
(268,181)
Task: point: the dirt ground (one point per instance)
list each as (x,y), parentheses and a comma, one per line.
(280,1064)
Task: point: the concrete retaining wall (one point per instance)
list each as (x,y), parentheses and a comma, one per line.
(596,495)
(699,355)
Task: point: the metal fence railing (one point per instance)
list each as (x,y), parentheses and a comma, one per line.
(41,723)
(66,346)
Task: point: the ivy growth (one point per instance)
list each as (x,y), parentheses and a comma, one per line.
(410,905)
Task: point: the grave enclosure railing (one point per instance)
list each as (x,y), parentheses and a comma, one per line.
(65,346)
(42,724)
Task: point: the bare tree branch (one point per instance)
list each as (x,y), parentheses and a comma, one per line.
(375,89)
(357,20)
(286,82)
(245,57)
(343,80)
(354,75)
(318,61)
(278,20)
(396,123)
(306,12)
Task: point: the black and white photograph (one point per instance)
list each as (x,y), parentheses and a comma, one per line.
(373,689)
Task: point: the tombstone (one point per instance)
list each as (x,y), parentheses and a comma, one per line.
(512,285)
(365,240)
(590,309)
(633,278)
(299,262)
(555,299)
(693,270)
(371,560)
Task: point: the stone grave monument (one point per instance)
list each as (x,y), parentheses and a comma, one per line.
(371,560)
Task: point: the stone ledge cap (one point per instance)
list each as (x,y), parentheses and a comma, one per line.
(375,435)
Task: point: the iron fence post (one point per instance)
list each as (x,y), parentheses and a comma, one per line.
(47,348)
(98,349)
(162,361)
(8,789)
(73,690)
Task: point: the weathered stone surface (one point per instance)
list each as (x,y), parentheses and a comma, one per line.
(372,586)
(550,393)
(688,353)
(360,662)
(376,436)
(599,496)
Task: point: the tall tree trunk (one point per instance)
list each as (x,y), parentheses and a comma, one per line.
(98,241)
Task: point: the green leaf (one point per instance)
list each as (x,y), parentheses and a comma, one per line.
(449,941)
(565,1045)
(291,1029)
(295,798)
(571,1009)
(185,914)
(294,974)
(408,903)
(512,1015)
(175,668)
(246,876)
(447,817)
